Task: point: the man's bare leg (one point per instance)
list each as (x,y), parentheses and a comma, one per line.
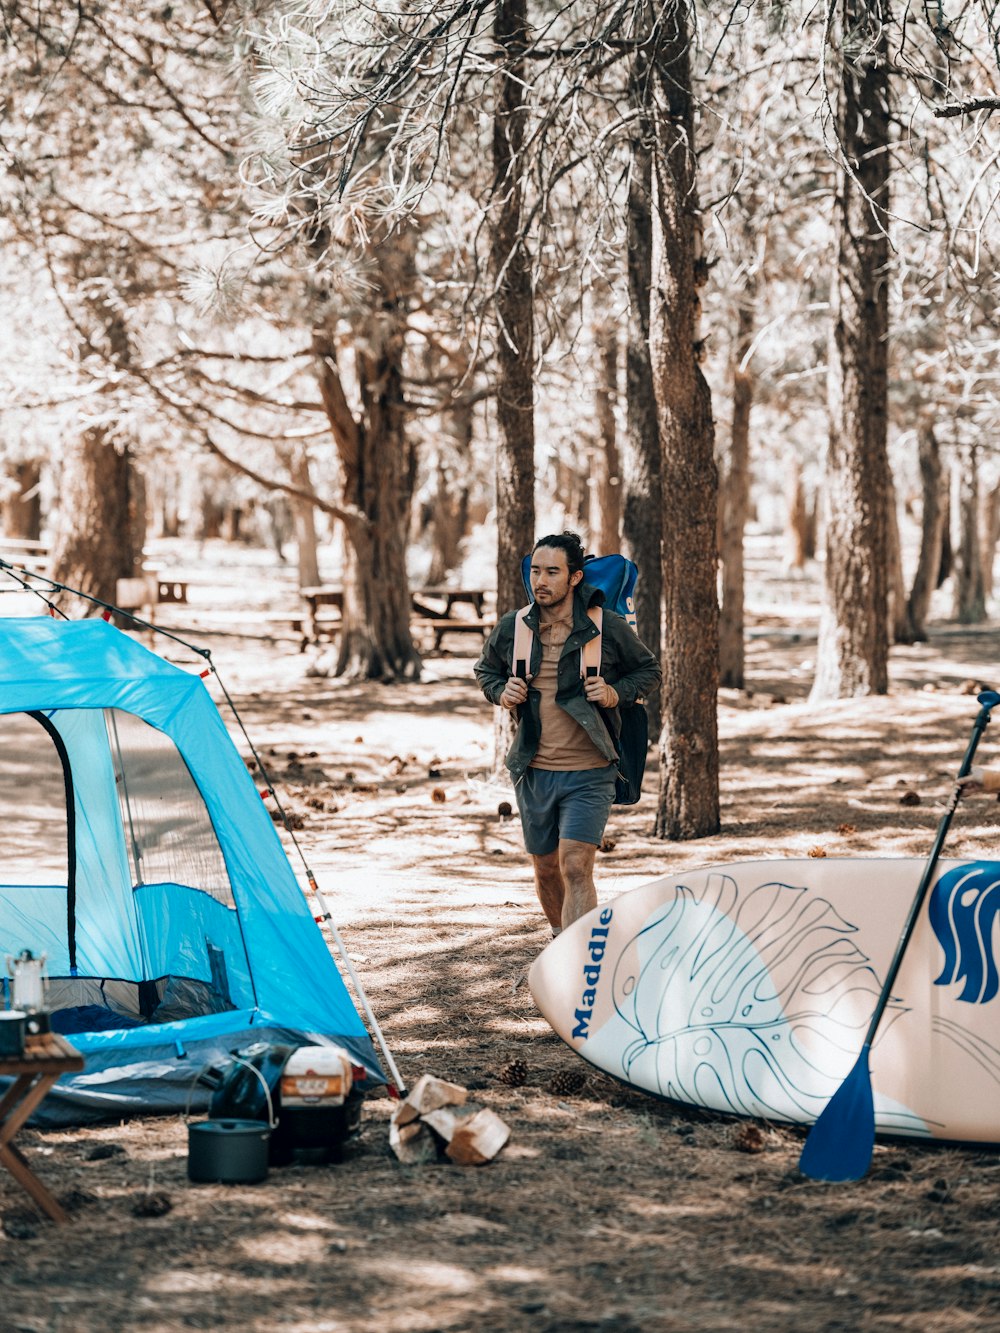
(576,862)
(550,886)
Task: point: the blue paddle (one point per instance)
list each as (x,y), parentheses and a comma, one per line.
(839,1146)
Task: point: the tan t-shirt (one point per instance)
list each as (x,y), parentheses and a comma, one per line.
(565,747)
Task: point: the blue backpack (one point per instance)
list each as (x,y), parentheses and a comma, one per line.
(616,575)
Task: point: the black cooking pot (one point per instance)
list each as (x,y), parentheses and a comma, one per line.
(230,1152)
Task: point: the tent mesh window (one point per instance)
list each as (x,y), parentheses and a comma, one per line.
(168,830)
(33,842)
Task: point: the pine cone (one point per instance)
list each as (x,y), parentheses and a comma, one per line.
(514,1073)
(749,1138)
(567,1082)
(152,1204)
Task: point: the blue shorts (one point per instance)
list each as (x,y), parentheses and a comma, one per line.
(556,805)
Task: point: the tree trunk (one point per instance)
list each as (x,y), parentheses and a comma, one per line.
(798,519)
(989,528)
(853,650)
(22,506)
(947,562)
(734,503)
(304,521)
(572,490)
(688,805)
(375,641)
(642,515)
(100,523)
(449,521)
(162,487)
(933,525)
(606,530)
(900,630)
(970,596)
(449,516)
(515,373)
(212,514)
(232,523)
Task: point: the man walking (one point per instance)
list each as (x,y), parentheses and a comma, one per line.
(563,758)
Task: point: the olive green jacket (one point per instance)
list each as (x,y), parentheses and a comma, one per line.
(626,663)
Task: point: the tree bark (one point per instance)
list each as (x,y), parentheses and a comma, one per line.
(642,515)
(304,520)
(101,520)
(947,562)
(688,805)
(572,490)
(449,514)
(449,521)
(900,630)
(734,504)
(515,350)
(22,506)
(515,397)
(933,524)
(970,595)
(798,519)
(100,525)
(990,529)
(852,653)
(375,641)
(606,538)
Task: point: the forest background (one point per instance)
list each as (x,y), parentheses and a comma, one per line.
(445,273)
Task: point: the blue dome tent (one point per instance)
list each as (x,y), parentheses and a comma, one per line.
(137,855)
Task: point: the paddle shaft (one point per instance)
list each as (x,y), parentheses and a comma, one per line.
(909,925)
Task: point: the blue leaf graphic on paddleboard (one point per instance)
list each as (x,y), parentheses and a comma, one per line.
(754,1003)
(963,911)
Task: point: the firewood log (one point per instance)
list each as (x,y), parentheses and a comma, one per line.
(428,1094)
(446,1119)
(478,1139)
(412,1143)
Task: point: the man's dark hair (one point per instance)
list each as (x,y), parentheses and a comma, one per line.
(564,541)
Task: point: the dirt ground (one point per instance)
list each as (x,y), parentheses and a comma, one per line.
(608,1210)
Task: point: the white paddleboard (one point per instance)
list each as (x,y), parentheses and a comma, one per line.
(747,988)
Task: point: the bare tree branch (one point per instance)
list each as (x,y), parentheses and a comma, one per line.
(967,108)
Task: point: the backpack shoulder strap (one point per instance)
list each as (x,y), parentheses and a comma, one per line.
(521,661)
(590,653)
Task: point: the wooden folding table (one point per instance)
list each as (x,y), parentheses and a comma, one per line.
(34,1073)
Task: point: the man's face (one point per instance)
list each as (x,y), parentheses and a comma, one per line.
(551,581)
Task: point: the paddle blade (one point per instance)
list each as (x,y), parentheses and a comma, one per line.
(839,1146)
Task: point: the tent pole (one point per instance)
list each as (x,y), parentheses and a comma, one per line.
(327,918)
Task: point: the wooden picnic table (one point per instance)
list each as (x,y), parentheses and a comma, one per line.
(323,594)
(451,597)
(45,1058)
(433,610)
(332,594)
(435,614)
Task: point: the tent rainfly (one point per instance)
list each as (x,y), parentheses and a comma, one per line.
(137,855)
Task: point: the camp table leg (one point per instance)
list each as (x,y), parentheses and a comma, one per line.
(17,1105)
(11,1098)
